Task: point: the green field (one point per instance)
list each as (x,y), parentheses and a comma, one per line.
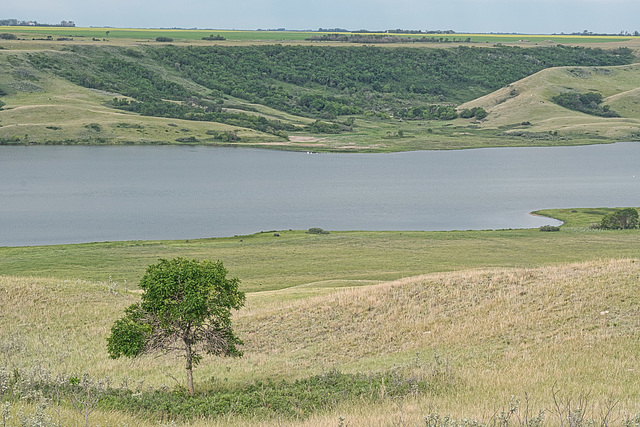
(277,36)
(265,262)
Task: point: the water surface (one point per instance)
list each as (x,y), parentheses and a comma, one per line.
(62,194)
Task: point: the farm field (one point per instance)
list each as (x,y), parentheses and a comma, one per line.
(508,323)
(186,35)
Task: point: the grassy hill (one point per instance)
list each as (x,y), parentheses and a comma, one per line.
(524,109)
(67,96)
(361,328)
(560,339)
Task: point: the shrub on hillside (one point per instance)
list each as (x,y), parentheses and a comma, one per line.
(590,103)
(549,228)
(317,230)
(212,37)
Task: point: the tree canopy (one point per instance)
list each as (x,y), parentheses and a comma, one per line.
(186,307)
(620,219)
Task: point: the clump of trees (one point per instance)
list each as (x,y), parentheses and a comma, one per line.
(186,308)
(316,230)
(620,219)
(590,103)
(382,38)
(164,39)
(212,37)
(477,112)
(226,136)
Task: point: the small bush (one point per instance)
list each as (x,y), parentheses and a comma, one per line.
(212,37)
(7,36)
(164,39)
(549,228)
(316,230)
(190,139)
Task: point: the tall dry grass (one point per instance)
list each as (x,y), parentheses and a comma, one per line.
(571,330)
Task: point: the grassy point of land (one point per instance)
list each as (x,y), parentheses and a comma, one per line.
(474,317)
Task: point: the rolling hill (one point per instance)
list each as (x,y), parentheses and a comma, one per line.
(297,97)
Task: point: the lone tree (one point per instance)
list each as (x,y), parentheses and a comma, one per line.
(186,307)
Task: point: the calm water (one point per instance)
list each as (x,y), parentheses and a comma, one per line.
(51,195)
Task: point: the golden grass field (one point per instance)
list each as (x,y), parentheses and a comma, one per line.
(571,330)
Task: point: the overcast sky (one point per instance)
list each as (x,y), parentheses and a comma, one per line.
(519,16)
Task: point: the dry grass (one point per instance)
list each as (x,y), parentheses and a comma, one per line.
(528,100)
(502,332)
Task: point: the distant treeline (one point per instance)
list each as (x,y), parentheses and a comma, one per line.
(396,31)
(383,38)
(15,23)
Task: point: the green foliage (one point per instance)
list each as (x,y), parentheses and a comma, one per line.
(320,82)
(589,103)
(383,38)
(361,75)
(324,127)
(8,36)
(620,219)
(186,306)
(270,398)
(94,127)
(477,112)
(212,37)
(316,230)
(188,139)
(430,112)
(227,136)
(164,39)
(158,108)
(549,228)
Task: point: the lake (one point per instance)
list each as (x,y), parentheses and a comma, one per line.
(72,194)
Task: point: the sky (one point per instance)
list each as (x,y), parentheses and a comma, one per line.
(475,16)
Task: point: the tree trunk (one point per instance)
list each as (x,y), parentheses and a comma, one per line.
(189,367)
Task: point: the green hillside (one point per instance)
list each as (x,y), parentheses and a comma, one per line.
(525,108)
(302,97)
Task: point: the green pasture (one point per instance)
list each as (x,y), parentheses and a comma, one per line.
(147,34)
(264,261)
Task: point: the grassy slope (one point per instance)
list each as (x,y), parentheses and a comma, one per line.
(498,332)
(517,317)
(38,101)
(43,108)
(528,100)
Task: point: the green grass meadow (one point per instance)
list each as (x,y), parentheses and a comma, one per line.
(264,262)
